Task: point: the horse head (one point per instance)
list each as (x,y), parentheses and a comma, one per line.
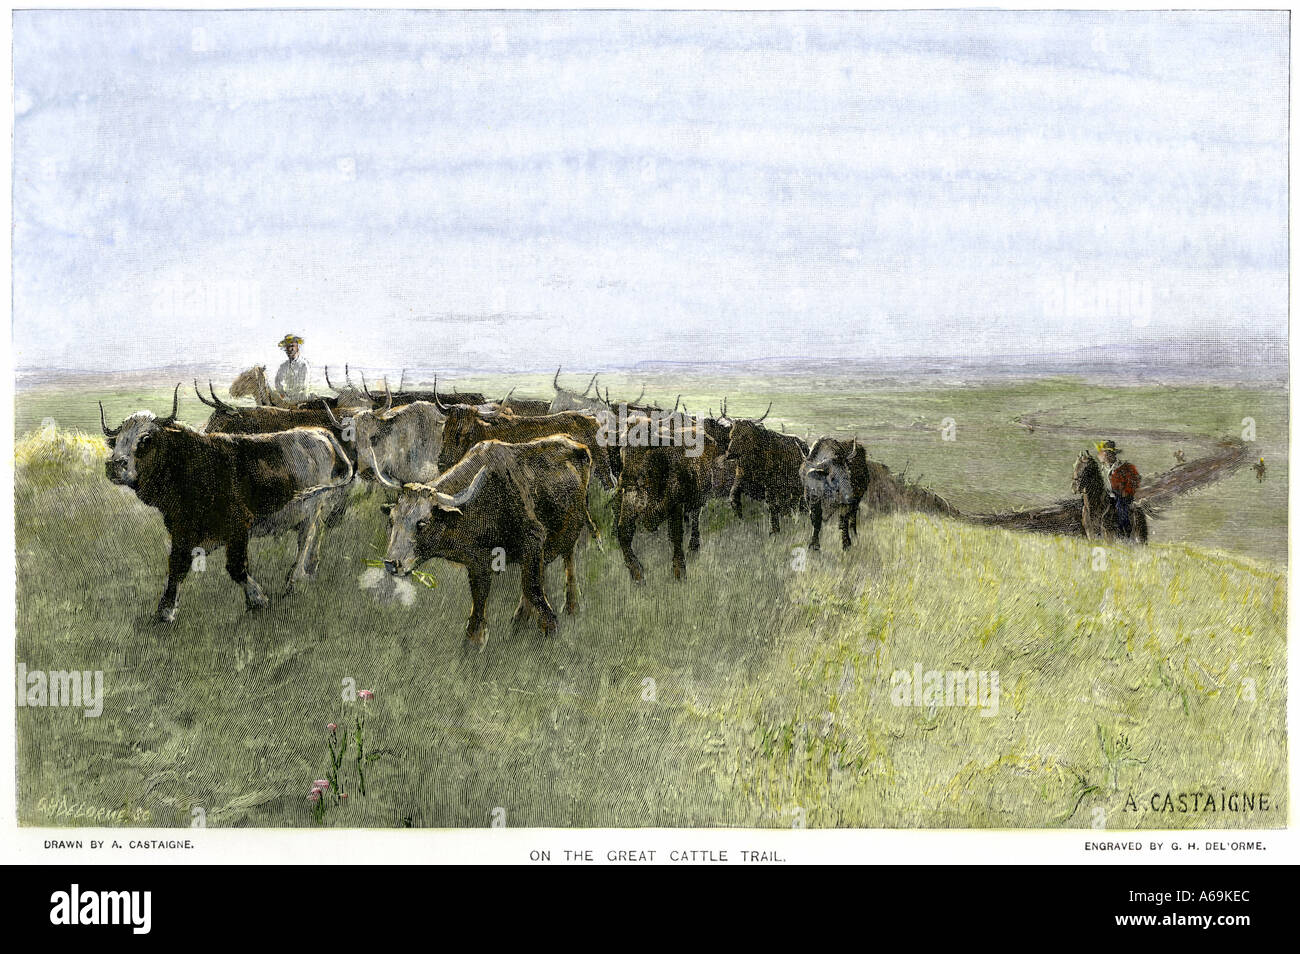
(250,383)
(1087,474)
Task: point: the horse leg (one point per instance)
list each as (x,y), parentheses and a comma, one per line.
(1140,528)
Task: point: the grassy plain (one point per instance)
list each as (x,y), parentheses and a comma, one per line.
(757,694)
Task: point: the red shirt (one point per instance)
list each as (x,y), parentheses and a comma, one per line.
(1124,479)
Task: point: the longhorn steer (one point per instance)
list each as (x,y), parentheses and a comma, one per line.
(217,490)
(228,419)
(466,426)
(835,478)
(528,499)
(767,468)
(403,396)
(396,446)
(661,483)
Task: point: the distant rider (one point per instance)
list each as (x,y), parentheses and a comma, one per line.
(291,379)
(1124,481)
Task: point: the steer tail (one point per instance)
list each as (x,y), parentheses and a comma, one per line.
(582,459)
(342,471)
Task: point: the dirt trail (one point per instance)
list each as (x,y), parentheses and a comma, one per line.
(1223,457)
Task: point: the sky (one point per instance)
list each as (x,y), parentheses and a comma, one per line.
(518,190)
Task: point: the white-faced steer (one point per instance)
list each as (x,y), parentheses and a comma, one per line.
(524,503)
(835,479)
(396,445)
(217,490)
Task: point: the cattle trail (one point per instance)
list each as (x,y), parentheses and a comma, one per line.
(1224,457)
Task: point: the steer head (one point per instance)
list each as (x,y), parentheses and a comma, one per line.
(825,471)
(372,431)
(131,443)
(425,522)
(398,446)
(744,440)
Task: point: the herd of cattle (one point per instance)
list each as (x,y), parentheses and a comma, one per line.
(473,478)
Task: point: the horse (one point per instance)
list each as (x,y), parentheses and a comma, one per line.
(253,384)
(1099,519)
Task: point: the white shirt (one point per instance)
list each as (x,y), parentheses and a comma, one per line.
(291,379)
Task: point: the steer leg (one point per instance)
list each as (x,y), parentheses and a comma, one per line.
(480,582)
(734,495)
(570,585)
(304,565)
(626,531)
(774,513)
(675,531)
(331,511)
(815,513)
(533,581)
(845,520)
(695,530)
(237,567)
(178,565)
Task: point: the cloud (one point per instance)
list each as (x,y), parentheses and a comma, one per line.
(637,179)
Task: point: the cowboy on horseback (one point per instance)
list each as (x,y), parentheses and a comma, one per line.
(291,379)
(1123,480)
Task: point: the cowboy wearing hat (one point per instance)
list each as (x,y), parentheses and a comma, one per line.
(1124,481)
(291,379)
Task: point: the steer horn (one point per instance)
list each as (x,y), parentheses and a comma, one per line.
(220,403)
(108,432)
(436,403)
(760,420)
(199,394)
(555,381)
(388,399)
(328,382)
(176,403)
(455,502)
(590,383)
(329,412)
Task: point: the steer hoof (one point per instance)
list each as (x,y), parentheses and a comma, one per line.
(477,638)
(547,623)
(165,614)
(679,570)
(815,546)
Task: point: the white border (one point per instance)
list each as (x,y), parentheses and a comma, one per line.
(374,846)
